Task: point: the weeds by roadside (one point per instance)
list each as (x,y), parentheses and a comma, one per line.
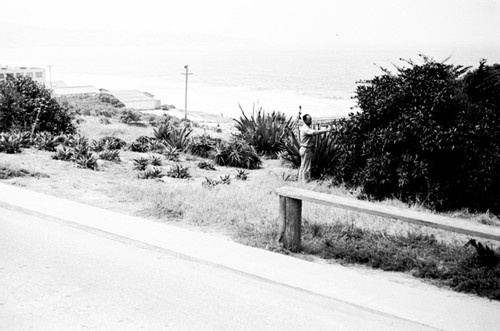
(8,171)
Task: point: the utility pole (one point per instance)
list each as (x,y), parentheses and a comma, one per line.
(186,91)
(50,75)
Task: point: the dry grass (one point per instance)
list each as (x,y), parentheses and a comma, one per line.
(246,211)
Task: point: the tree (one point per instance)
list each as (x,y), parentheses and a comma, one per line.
(427,133)
(26,105)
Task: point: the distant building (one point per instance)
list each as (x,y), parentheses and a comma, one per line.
(136,99)
(37,74)
(61,90)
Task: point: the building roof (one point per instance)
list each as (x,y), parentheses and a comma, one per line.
(69,90)
(131,95)
(7,68)
(58,84)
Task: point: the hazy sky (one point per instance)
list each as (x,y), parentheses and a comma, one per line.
(324,22)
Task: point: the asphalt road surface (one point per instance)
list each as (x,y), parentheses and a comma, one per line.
(57,277)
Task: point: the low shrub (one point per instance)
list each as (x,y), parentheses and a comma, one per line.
(141,144)
(111,99)
(236,153)
(7,172)
(12,143)
(151,172)
(206,165)
(203,145)
(210,183)
(129,116)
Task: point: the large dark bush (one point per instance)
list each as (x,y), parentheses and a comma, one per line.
(26,105)
(428,133)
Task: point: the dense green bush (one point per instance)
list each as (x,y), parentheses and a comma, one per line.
(130,116)
(111,99)
(236,153)
(203,145)
(28,106)
(88,105)
(265,132)
(427,133)
(141,144)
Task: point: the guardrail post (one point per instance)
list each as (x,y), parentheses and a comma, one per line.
(290,223)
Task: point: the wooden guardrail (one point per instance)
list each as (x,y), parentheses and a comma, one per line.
(291,216)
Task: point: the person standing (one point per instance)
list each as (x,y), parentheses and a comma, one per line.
(307,147)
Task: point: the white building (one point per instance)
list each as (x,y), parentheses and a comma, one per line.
(136,99)
(75,90)
(37,74)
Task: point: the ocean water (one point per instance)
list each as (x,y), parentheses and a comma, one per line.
(321,81)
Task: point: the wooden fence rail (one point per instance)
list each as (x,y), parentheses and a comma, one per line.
(291,216)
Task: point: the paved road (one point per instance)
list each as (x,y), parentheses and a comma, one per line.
(58,277)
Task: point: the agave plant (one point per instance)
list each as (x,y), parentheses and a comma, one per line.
(67,140)
(157,146)
(108,143)
(86,161)
(82,146)
(178,171)
(225,179)
(265,132)
(110,155)
(141,163)
(12,143)
(63,153)
(151,173)
(175,137)
(155,160)
(241,174)
(46,141)
(210,182)
(171,153)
